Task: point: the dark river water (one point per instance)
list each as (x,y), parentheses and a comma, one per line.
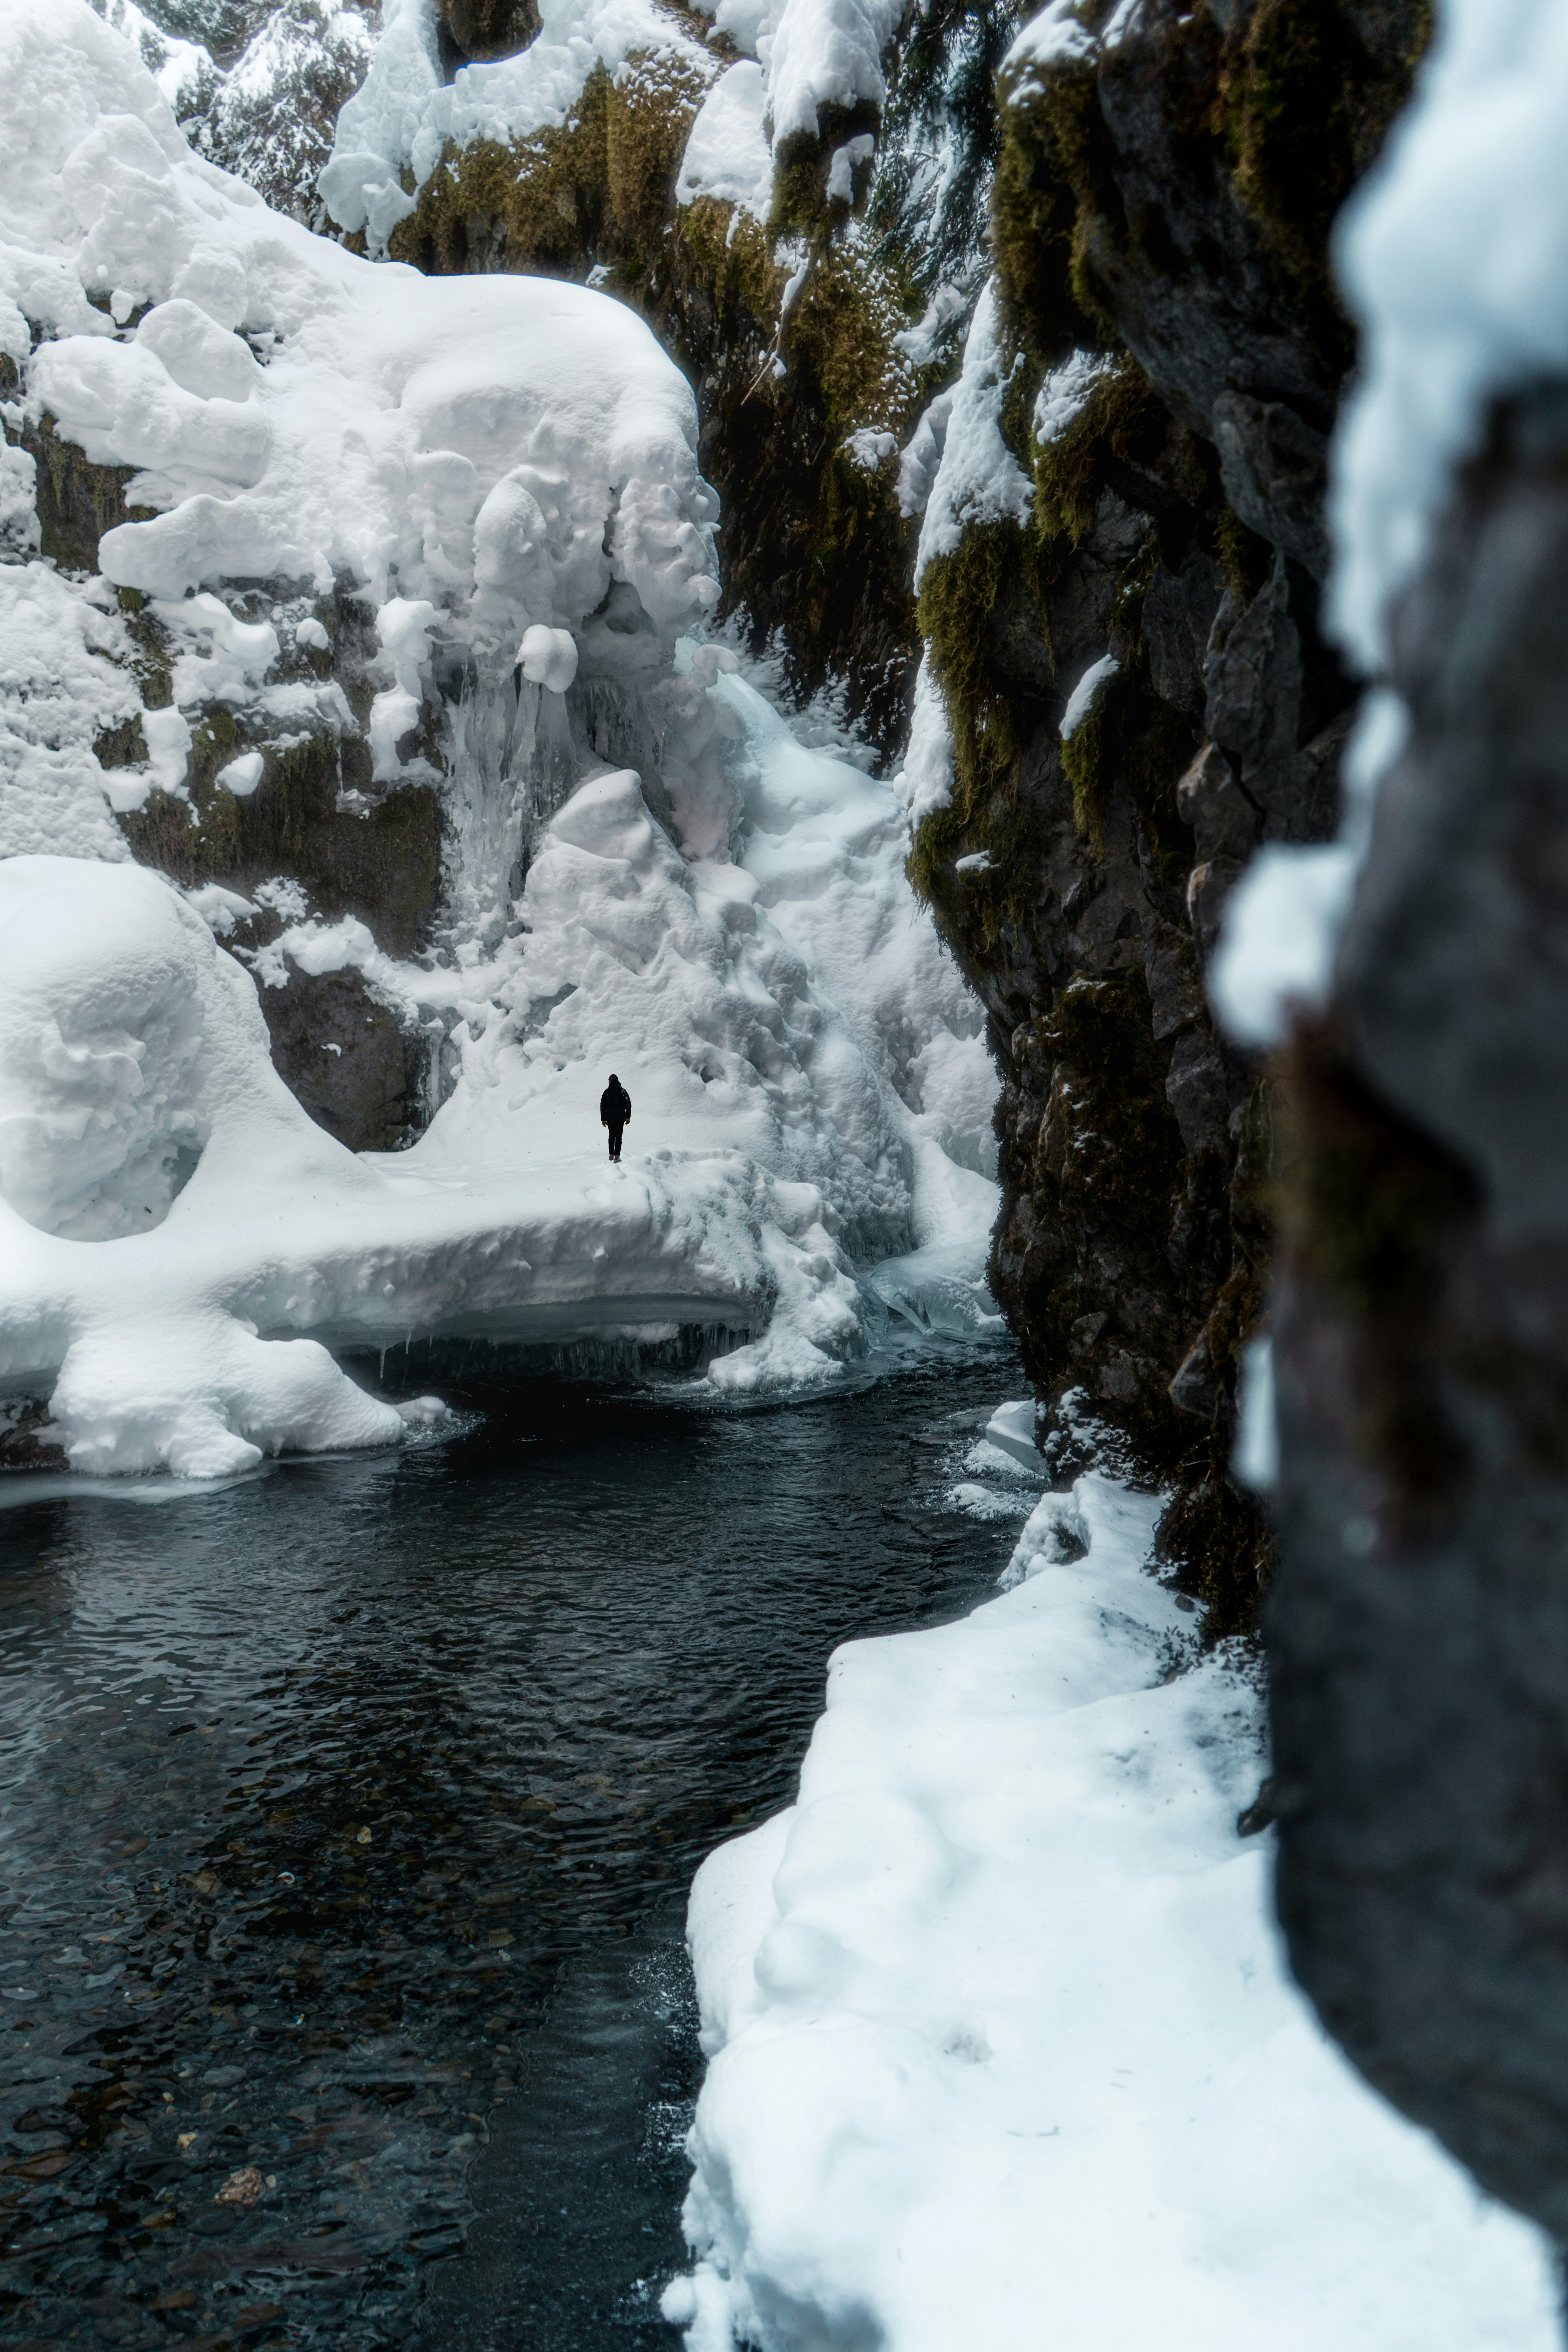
(347,1815)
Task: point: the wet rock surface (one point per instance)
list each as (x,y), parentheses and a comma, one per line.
(1165,204)
(1419,1634)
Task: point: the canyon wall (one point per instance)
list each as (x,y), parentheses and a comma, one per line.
(1140,691)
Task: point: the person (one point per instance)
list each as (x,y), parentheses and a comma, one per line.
(615,1110)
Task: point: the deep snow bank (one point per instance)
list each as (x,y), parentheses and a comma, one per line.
(1002,2046)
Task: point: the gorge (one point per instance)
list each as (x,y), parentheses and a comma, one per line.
(966,600)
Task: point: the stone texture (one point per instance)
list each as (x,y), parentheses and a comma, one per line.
(1419,1632)
(1170,202)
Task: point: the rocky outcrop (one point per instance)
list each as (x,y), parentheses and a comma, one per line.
(1419,1636)
(1162,206)
(316,819)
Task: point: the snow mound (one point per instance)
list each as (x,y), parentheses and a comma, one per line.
(102,1030)
(727,151)
(405,113)
(64,676)
(825,53)
(507,447)
(137,1105)
(1003,2048)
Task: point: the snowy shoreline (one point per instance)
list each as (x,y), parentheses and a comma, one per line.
(1002,2045)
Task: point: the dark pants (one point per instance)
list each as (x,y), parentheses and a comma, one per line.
(616,1133)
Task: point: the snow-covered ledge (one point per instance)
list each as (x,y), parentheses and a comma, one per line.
(1002,2046)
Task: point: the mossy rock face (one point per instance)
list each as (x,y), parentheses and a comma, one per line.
(382,863)
(345,1059)
(78,501)
(313,820)
(600,190)
(342,1053)
(802,165)
(1163,209)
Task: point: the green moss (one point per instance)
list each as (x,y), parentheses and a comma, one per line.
(1244,559)
(383,866)
(78,501)
(602,185)
(1302,107)
(801,165)
(841,331)
(730,253)
(1083,760)
(992,562)
(1049,138)
(1122,423)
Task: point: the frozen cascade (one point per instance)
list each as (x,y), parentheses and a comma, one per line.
(646,869)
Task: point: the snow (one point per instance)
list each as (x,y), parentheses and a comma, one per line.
(870,447)
(1454,259)
(1011,1430)
(241,776)
(61,682)
(184,70)
(825,53)
(922,457)
(404,115)
(1277,943)
(1002,2045)
(923,340)
(978,479)
(1065,391)
(501,470)
(727,152)
(924,782)
(1056,36)
(1086,693)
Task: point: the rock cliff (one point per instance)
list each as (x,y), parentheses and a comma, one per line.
(1139,688)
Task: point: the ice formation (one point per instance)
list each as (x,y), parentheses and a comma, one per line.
(1003,2047)
(502,470)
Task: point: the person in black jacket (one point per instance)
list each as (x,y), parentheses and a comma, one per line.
(615,1110)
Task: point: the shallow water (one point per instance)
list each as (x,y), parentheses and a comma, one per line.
(346,1821)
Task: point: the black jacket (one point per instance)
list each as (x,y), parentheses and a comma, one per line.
(615,1107)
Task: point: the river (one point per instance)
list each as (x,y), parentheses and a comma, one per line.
(349,1811)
